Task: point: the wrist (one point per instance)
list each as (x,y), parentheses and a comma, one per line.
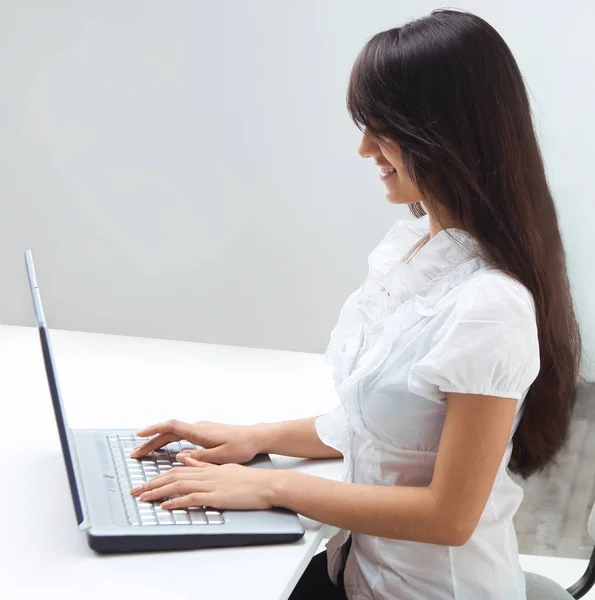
(279,493)
(261,434)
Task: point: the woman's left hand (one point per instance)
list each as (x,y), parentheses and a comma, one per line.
(228,486)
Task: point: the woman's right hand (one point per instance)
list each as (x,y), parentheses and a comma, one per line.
(221,443)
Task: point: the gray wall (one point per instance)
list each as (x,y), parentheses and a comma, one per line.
(187,169)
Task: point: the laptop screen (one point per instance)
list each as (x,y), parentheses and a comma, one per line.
(48,359)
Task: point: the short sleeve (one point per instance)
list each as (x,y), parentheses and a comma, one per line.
(334,429)
(484,342)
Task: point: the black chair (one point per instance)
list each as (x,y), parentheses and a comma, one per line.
(543,588)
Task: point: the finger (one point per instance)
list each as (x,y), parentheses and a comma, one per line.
(194,499)
(196,454)
(192,462)
(216,455)
(166,478)
(171,426)
(177,488)
(157,442)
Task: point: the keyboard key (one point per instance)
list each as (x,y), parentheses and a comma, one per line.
(197,517)
(165,519)
(215,519)
(181,517)
(147,516)
(149,520)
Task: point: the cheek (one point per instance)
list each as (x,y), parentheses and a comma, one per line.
(408,188)
(401,190)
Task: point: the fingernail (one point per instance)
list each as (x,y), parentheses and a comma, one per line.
(166,504)
(135,490)
(144,496)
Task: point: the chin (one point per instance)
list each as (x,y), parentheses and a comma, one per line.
(394,199)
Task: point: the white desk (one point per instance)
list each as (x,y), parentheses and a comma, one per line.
(111,382)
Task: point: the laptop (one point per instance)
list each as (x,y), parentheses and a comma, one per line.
(101,474)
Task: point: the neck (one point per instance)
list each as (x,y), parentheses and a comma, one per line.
(440,222)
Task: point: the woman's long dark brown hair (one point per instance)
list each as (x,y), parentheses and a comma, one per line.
(446,88)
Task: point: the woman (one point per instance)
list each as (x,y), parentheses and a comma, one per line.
(456,359)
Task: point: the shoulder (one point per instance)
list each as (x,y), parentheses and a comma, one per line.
(476,291)
(491,292)
(483,340)
(491,289)
(487,298)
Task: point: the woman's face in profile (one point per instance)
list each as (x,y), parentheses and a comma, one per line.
(400,189)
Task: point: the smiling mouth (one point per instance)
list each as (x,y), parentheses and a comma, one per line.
(386,173)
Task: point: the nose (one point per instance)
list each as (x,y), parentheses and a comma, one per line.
(368,147)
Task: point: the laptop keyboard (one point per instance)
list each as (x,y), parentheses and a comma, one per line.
(132,473)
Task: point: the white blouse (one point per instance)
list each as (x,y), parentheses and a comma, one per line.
(445,322)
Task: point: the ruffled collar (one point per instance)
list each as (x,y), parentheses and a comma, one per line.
(373,311)
(447,249)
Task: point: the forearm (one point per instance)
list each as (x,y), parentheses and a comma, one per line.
(397,512)
(293,438)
